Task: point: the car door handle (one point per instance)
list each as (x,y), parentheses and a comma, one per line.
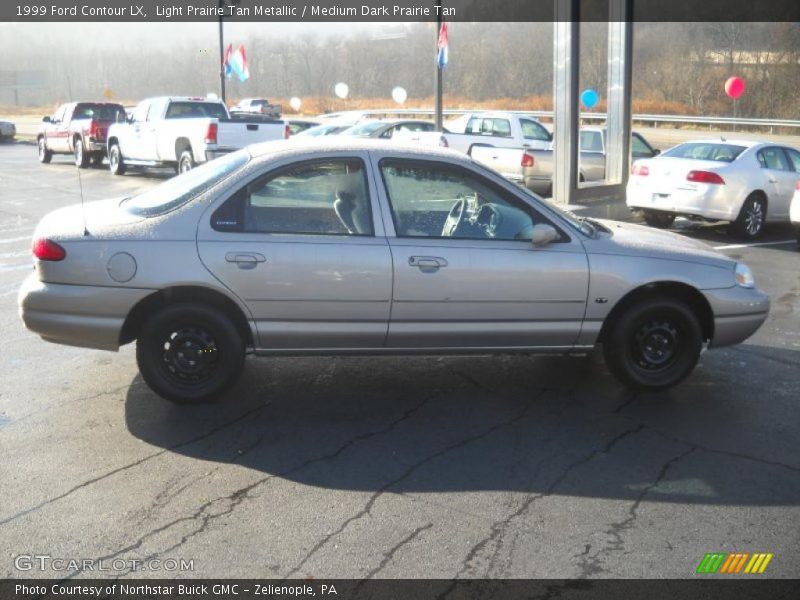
(245,260)
(427,264)
(773,180)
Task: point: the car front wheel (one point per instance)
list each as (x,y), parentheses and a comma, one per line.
(116,164)
(654,344)
(189,353)
(44,154)
(81,158)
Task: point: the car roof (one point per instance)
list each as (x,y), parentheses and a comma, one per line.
(336,144)
(734,142)
(184,99)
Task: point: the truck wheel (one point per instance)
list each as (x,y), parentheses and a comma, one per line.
(81,158)
(115,162)
(750,222)
(186,161)
(659,220)
(654,344)
(45,156)
(189,353)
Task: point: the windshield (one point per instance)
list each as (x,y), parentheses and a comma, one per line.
(179,190)
(191,109)
(706,151)
(320,130)
(364,130)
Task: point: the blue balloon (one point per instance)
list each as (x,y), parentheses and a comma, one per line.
(589,98)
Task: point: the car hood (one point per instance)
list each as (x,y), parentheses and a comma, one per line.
(102,218)
(637,240)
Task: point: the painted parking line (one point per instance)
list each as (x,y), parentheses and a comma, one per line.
(735,246)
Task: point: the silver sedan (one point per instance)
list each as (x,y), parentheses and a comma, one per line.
(744,182)
(369,247)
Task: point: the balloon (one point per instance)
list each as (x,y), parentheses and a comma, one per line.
(589,98)
(399,95)
(341,90)
(735,87)
(295,103)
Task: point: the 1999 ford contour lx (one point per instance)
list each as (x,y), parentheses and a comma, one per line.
(370,247)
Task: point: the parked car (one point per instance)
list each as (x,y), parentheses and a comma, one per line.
(298,125)
(386,129)
(180,132)
(745,182)
(371,247)
(80,129)
(534,168)
(7,130)
(494,129)
(325,129)
(794,211)
(258,105)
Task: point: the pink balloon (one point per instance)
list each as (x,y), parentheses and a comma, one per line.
(735,87)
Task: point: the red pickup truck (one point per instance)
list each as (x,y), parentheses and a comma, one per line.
(80,129)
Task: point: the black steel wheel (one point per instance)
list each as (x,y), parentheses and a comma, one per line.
(654,344)
(189,353)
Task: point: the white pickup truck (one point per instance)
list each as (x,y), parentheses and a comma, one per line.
(487,129)
(181,132)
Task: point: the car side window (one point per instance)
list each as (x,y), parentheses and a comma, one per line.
(639,149)
(326,197)
(531,130)
(773,158)
(794,157)
(59,114)
(474,126)
(591,141)
(437,200)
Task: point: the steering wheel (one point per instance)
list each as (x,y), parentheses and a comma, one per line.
(454,218)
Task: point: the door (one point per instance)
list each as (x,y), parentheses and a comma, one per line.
(57,132)
(131,142)
(466,274)
(300,247)
(780,181)
(534,135)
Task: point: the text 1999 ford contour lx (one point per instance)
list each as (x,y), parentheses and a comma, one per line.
(370,247)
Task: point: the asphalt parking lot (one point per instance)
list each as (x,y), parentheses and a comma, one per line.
(394,467)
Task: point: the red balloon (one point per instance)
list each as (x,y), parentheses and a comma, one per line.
(735,87)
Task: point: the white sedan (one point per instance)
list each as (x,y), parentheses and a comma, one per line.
(747,183)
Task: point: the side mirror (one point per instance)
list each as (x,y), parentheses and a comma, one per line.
(543,234)
(656,151)
(45,119)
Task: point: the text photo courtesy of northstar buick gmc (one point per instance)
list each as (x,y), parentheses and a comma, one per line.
(371,247)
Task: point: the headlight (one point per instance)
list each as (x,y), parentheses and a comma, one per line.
(744,276)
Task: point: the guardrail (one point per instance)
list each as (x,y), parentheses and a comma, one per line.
(544,114)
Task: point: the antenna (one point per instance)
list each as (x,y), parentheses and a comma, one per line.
(83,204)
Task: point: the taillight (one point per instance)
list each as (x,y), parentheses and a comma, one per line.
(211,134)
(797,185)
(286,132)
(45,249)
(705,177)
(93,129)
(527,160)
(640,170)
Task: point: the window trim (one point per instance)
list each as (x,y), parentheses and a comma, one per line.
(277,172)
(788,153)
(498,189)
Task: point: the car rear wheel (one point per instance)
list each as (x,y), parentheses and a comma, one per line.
(45,156)
(81,158)
(654,344)
(189,353)
(752,217)
(659,220)
(116,164)
(186,161)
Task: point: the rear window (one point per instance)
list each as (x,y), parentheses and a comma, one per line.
(364,130)
(181,189)
(706,151)
(193,110)
(101,112)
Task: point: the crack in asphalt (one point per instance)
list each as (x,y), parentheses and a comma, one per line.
(131,465)
(500,527)
(592,565)
(240,495)
(367,509)
(388,556)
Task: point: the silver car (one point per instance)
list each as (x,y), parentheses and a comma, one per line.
(369,247)
(745,182)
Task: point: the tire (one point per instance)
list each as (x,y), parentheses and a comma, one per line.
(185,161)
(45,156)
(116,163)
(750,222)
(659,220)
(81,157)
(189,353)
(654,344)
